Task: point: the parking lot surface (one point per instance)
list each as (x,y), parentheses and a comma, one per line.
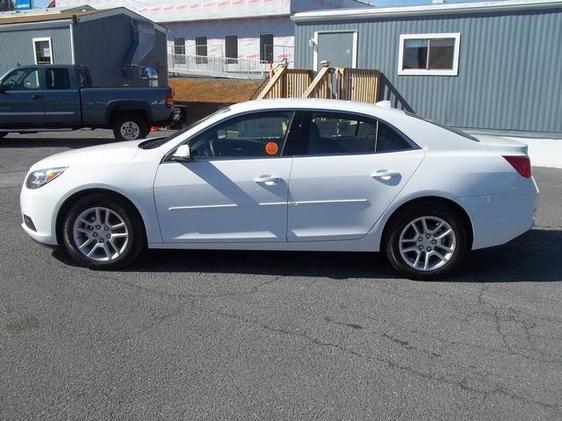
(249,335)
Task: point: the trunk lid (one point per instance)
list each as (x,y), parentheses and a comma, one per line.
(504,146)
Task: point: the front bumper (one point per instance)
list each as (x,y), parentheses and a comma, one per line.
(40,206)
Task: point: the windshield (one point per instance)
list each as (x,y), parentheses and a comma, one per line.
(159,141)
(443,126)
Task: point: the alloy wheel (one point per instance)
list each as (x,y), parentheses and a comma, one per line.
(100,234)
(427,243)
(130,130)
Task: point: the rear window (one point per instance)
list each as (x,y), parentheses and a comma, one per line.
(443,126)
(58,79)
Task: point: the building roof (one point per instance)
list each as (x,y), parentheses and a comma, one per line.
(432,9)
(82,14)
(9,19)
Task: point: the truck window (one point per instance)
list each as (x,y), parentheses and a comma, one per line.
(58,79)
(21,80)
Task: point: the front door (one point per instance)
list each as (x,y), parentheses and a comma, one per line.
(21,99)
(235,188)
(349,170)
(336,47)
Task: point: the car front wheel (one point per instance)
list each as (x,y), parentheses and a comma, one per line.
(427,242)
(103,232)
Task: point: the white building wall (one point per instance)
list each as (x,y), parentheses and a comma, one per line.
(247,30)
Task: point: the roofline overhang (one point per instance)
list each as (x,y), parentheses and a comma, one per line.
(31,25)
(432,9)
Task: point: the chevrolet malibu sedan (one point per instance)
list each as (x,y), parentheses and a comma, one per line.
(287,174)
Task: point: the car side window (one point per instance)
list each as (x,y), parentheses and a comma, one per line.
(389,140)
(57,79)
(340,134)
(260,135)
(21,80)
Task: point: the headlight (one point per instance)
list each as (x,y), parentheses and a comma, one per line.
(41,177)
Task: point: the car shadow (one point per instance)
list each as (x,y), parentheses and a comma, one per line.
(533,257)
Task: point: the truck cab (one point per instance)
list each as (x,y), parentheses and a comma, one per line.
(49,97)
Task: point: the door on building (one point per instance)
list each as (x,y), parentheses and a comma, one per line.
(339,48)
(21,99)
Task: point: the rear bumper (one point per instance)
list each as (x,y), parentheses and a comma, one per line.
(499,218)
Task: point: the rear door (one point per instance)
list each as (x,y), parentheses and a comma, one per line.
(346,171)
(61,98)
(21,99)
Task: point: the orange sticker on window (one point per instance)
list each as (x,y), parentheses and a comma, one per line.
(271,148)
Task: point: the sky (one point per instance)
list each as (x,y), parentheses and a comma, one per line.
(378,3)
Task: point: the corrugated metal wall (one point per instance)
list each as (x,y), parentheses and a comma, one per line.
(102,45)
(510,70)
(16,45)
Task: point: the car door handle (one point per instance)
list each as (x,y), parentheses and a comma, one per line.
(267,179)
(35,96)
(384,174)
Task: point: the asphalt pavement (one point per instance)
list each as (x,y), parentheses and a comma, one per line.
(271,335)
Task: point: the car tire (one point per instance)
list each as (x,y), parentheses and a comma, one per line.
(107,223)
(130,127)
(423,230)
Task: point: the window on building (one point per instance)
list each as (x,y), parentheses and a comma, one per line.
(179,51)
(429,54)
(57,79)
(266,48)
(231,48)
(201,50)
(43,50)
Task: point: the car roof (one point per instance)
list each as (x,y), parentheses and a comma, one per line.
(314,103)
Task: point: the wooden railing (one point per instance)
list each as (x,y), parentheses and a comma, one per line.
(361,85)
(286,83)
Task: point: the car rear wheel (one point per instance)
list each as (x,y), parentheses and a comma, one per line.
(130,127)
(103,232)
(427,241)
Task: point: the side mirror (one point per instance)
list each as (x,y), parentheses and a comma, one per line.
(182,154)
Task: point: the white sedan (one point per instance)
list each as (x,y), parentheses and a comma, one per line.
(287,175)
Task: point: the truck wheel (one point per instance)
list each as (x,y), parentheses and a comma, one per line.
(130,127)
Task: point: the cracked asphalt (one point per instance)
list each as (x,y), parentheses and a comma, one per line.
(248,335)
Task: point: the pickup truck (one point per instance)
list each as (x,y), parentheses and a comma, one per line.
(55,97)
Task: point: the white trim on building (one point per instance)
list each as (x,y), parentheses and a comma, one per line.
(432,9)
(454,71)
(43,39)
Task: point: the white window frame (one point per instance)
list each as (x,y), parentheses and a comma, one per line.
(430,72)
(346,31)
(48,39)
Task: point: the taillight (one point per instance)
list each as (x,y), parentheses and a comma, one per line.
(521,163)
(170,98)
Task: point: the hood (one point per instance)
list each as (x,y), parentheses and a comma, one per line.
(110,152)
